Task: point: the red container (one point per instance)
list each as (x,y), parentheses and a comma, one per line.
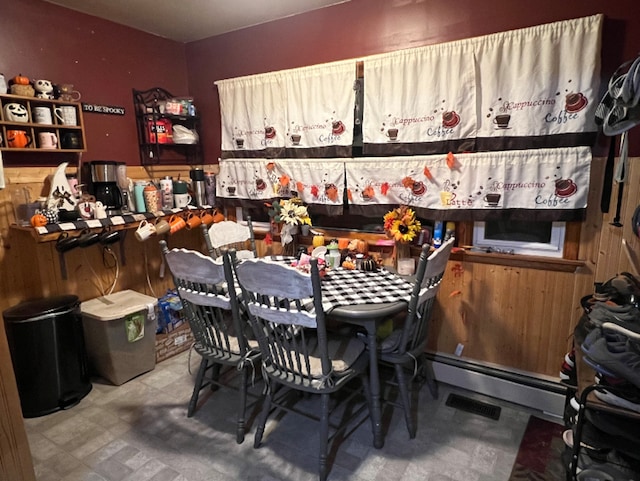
(159,131)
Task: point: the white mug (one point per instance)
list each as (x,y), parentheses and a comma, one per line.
(42,115)
(66,114)
(145,230)
(47,140)
(181,200)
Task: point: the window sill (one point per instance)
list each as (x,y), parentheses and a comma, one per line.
(512,260)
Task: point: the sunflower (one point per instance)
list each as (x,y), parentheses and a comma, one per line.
(401,224)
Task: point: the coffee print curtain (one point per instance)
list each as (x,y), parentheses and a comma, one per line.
(529,88)
(535,184)
(320,183)
(420,100)
(252,115)
(306,112)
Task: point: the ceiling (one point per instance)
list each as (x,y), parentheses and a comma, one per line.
(189,20)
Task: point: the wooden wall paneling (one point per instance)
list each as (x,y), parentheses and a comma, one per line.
(15,454)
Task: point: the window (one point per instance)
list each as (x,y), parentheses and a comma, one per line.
(521,237)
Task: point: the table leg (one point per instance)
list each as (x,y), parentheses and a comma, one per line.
(374,380)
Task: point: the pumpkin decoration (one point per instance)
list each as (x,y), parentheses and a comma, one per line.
(369,265)
(20,80)
(38,220)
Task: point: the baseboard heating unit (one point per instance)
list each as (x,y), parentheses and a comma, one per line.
(531,390)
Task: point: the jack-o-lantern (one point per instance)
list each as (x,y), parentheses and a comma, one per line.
(369,265)
(38,220)
(15,112)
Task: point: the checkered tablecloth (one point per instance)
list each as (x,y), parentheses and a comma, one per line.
(345,287)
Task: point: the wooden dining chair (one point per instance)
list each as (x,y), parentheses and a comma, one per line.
(404,347)
(285,309)
(217,326)
(230,235)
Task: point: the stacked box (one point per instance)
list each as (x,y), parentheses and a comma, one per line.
(170,344)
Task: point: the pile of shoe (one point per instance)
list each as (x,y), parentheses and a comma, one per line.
(609,336)
(609,448)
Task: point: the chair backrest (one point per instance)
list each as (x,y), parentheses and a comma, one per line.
(285,309)
(431,269)
(230,235)
(211,308)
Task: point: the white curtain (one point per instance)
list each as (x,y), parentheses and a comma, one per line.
(528,179)
(315,181)
(309,107)
(529,85)
(423,94)
(252,116)
(541,80)
(319,105)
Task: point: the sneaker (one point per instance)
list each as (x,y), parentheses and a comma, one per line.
(615,400)
(613,354)
(609,466)
(568,374)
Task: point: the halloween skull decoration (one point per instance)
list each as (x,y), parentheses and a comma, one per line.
(15,112)
(44,89)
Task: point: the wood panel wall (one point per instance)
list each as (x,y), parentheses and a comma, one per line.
(523,317)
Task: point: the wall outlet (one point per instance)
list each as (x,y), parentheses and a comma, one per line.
(180,340)
(459,349)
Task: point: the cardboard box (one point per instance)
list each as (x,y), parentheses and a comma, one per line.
(174,342)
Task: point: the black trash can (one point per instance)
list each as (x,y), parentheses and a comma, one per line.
(46,341)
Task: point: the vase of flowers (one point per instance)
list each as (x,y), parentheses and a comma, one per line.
(401,225)
(289,214)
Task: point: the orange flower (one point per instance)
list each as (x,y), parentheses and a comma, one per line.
(384,188)
(271,166)
(300,187)
(349,195)
(427,173)
(284,180)
(314,190)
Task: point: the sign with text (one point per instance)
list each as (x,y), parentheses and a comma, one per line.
(103,109)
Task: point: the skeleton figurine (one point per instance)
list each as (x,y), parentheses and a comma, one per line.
(44,89)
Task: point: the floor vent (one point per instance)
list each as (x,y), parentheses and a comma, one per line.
(473,406)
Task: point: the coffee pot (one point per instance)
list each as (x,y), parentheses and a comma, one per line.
(104,178)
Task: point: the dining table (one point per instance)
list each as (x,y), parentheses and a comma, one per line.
(365,299)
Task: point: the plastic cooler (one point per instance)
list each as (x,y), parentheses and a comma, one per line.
(119,332)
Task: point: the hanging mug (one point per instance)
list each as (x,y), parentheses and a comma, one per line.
(145,230)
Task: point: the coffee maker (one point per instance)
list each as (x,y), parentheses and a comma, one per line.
(104,181)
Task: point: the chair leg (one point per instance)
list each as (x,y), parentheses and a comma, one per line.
(264,414)
(426,373)
(405,397)
(242,406)
(324,436)
(215,375)
(204,365)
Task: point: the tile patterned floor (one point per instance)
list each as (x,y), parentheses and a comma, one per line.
(139,431)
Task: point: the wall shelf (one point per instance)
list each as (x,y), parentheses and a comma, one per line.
(69,138)
(158,113)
